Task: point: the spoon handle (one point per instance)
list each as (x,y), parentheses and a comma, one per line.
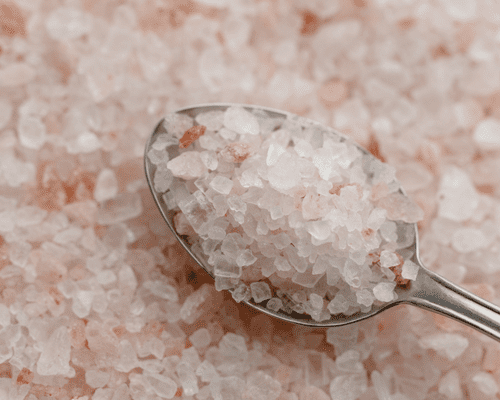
(433,292)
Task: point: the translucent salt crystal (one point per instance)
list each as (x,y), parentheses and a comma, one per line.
(201,338)
(96,378)
(163,141)
(241,293)
(227,388)
(364,297)
(225,268)
(250,178)
(221,184)
(55,356)
(262,386)
(319,230)
(463,10)
(236,204)
(128,357)
(68,23)
(316,301)
(282,264)
(162,290)
(216,233)
(241,121)
(313,393)
(245,258)
(213,120)
(82,303)
(187,379)
(207,372)
(303,148)
(458,198)
(388,259)
(274,304)
(16,74)
(410,270)
(4,316)
(31,131)
(29,215)
(187,165)
(162,385)
(384,291)
(198,211)
(282,176)
(260,291)
(487,134)
(486,383)
(467,240)
(338,305)
(192,307)
(106,186)
(177,124)
(450,385)
(163,179)
(348,387)
(306,279)
(5,112)
(273,153)
(123,207)
(449,345)
(103,394)
(210,160)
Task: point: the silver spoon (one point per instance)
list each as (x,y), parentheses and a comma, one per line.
(429,291)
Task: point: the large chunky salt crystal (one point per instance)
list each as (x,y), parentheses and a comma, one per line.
(486,383)
(462,10)
(466,240)
(487,134)
(187,379)
(67,23)
(225,268)
(96,379)
(388,259)
(458,198)
(260,291)
(262,386)
(450,385)
(121,208)
(162,385)
(384,291)
(55,356)
(31,132)
(187,165)
(282,175)
(449,345)
(201,338)
(16,74)
(106,186)
(221,184)
(348,387)
(241,121)
(410,270)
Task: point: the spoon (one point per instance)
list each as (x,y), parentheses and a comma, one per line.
(429,291)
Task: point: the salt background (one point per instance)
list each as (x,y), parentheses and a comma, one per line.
(97,299)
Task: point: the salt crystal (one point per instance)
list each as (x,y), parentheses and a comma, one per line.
(388,259)
(207,372)
(364,297)
(450,385)
(282,264)
(198,211)
(55,356)
(262,386)
(213,120)
(241,293)
(463,10)
(96,379)
(467,240)
(348,387)
(162,290)
(316,301)
(177,123)
(449,345)
(187,165)
(487,134)
(260,291)
(282,175)
(106,186)
(245,258)
(250,178)
(16,74)
(221,184)
(338,305)
(65,23)
(6,110)
(163,179)
(162,385)
(458,198)
(225,268)
(82,303)
(410,270)
(192,307)
(216,233)
(187,378)
(274,304)
(210,160)
(273,153)
(201,338)
(384,291)
(241,121)
(121,208)
(486,383)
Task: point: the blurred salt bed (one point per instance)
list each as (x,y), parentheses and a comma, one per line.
(97,299)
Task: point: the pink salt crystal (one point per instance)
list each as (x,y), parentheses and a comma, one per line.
(458,199)
(187,165)
(96,379)
(6,110)
(486,383)
(16,74)
(121,208)
(191,135)
(55,356)
(487,134)
(450,385)
(106,186)
(260,291)
(313,393)
(333,92)
(236,152)
(388,259)
(400,207)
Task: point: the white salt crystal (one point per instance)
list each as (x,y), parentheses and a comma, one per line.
(250,178)
(55,356)
(282,264)
(262,386)
(449,345)
(4,316)
(338,305)
(458,198)
(216,233)
(207,372)
(235,203)
(241,121)
(384,291)
(466,240)
(273,153)
(106,277)
(487,134)
(128,357)
(225,268)
(410,270)
(162,290)
(201,338)
(121,208)
(16,74)
(282,176)
(388,231)
(364,297)
(29,215)
(106,186)
(187,165)
(388,259)
(486,383)
(241,293)
(221,184)
(319,230)
(274,304)
(177,124)
(162,385)
(209,158)
(450,385)
(96,378)
(213,120)
(316,301)
(5,112)
(260,291)
(460,10)
(82,303)
(31,132)
(67,23)
(245,258)
(187,378)
(348,387)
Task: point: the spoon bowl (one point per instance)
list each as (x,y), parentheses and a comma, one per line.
(429,291)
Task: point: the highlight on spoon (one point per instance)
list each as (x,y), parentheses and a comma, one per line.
(291,217)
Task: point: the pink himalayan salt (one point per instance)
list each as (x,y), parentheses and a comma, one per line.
(16,74)
(187,165)
(333,92)
(191,135)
